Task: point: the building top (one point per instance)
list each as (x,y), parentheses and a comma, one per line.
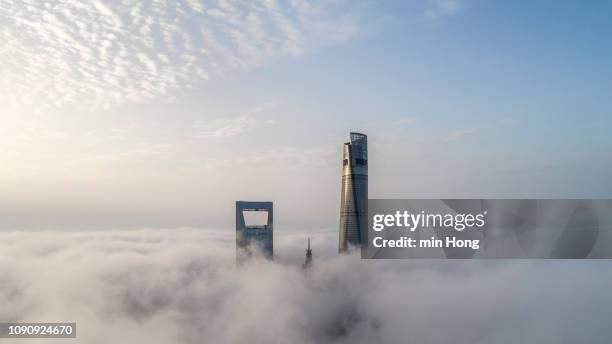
(358,137)
(253,205)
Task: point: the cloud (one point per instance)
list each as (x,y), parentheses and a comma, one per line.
(225,128)
(462,134)
(286,157)
(182,286)
(404,121)
(443,8)
(508,122)
(96,54)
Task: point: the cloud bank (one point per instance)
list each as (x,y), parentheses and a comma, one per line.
(182,286)
(98,54)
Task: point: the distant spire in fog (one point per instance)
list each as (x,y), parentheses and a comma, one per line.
(308,261)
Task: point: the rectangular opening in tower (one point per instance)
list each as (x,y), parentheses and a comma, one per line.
(255,218)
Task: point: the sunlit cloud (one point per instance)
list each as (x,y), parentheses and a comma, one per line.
(96,54)
(230,127)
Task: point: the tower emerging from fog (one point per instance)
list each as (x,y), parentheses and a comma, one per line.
(308,261)
(354,206)
(260,235)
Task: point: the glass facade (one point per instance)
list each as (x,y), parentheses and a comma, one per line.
(354,197)
(261,236)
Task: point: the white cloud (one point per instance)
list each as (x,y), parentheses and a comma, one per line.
(287,157)
(462,134)
(98,54)
(405,121)
(443,8)
(231,127)
(182,286)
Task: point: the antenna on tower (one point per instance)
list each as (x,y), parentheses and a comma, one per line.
(308,261)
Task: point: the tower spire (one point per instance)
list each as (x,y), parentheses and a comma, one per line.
(308,260)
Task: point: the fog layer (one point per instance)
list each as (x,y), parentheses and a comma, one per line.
(183,286)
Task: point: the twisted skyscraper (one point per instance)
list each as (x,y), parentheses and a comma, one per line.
(354,207)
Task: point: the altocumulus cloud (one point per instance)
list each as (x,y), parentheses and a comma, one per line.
(182,286)
(98,54)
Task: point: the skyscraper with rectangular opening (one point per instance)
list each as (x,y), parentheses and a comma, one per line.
(260,234)
(354,206)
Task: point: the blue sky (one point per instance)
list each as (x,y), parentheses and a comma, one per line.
(135,114)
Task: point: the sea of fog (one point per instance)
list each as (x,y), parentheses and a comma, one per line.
(183,286)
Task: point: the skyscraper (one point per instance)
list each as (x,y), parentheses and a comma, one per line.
(308,260)
(354,206)
(249,235)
